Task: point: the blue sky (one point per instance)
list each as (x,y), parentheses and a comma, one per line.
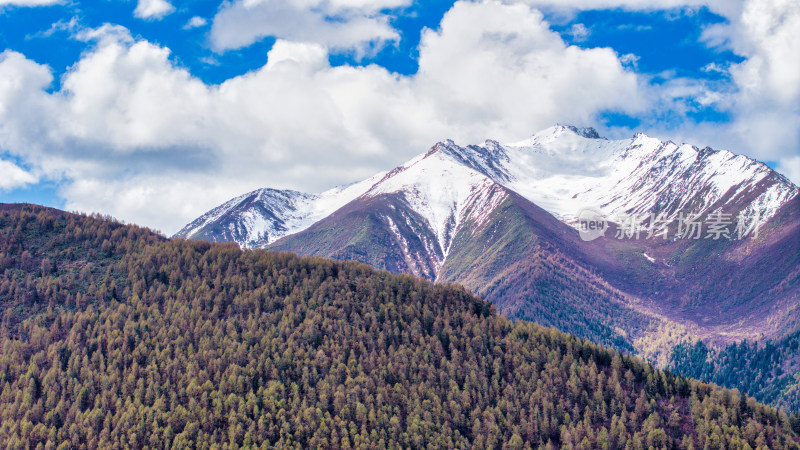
(154,112)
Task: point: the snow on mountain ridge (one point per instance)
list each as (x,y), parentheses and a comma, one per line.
(439,186)
(260,217)
(562,169)
(250,218)
(556,132)
(274,199)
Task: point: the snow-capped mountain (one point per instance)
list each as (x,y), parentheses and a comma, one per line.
(562,169)
(498,218)
(260,217)
(445,192)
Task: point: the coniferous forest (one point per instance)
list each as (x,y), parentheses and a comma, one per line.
(768,371)
(112,336)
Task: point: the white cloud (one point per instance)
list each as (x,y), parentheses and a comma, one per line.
(56,27)
(763,97)
(103,33)
(791,168)
(579,32)
(629,59)
(153,9)
(341,24)
(500,71)
(23,102)
(137,137)
(767,104)
(195,22)
(12,176)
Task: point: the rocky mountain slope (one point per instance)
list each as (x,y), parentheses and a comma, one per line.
(501,220)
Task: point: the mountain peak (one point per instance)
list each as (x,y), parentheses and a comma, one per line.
(441,145)
(561,169)
(556,132)
(587,132)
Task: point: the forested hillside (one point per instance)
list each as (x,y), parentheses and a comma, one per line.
(769,372)
(112,336)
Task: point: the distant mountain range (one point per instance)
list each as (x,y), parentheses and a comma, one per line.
(503,220)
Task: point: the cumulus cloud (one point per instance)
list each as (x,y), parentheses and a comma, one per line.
(140,138)
(12,176)
(153,9)
(356,25)
(502,67)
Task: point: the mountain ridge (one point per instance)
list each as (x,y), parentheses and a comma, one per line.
(517,166)
(439,216)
